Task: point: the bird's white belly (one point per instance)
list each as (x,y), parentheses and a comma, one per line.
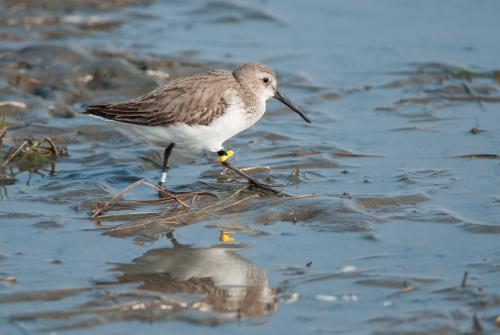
(199,137)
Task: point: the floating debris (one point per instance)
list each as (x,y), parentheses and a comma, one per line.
(478,156)
(291,297)
(475,131)
(326,297)
(32,155)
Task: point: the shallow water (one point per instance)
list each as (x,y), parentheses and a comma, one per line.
(402,157)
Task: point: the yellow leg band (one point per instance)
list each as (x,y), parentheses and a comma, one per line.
(225,236)
(224,157)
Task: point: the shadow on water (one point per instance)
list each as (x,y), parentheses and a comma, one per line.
(199,285)
(231,283)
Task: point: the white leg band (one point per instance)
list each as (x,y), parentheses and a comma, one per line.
(163,177)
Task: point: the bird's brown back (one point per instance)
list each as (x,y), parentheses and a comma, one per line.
(193,100)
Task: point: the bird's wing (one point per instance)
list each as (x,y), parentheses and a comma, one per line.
(193,100)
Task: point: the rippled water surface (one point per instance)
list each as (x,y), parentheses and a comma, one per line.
(392,222)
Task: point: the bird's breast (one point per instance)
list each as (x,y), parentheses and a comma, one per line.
(243,109)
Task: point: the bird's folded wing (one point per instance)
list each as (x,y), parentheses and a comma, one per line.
(193,100)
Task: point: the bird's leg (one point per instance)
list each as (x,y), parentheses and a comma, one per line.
(224,155)
(165,192)
(173,240)
(164,168)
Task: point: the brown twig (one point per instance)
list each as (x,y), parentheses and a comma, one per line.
(166,192)
(127,216)
(176,197)
(170,220)
(52,145)
(14,154)
(99,211)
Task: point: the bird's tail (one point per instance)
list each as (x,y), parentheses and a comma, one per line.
(96,110)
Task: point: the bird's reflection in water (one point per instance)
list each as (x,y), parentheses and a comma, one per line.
(230,282)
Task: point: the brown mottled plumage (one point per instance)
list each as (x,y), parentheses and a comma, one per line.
(200,111)
(194,100)
(197,99)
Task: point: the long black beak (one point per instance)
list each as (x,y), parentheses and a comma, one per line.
(289,103)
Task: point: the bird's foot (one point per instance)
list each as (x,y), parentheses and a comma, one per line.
(252,181)
(164,192)
(267,187)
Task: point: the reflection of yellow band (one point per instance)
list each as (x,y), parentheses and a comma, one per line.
(228,154)
(225,236)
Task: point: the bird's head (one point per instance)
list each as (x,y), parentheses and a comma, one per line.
(261,80)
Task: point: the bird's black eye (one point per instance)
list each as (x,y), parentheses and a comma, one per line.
(265,80)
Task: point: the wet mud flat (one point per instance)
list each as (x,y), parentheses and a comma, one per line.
(389,224)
